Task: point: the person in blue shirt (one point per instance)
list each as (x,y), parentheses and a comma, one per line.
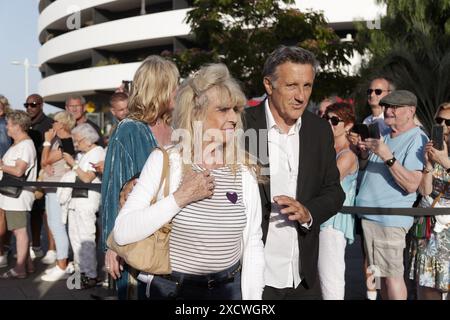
(390,180)
(5,141)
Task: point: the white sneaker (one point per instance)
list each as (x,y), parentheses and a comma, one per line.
(4,260)
(55,274)
(50,257)
(36,252)
(70,267)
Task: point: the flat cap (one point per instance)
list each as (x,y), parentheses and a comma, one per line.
(399,98)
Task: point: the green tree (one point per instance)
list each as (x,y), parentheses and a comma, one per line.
(242,33)
(413,48)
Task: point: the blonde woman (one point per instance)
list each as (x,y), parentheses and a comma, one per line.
(19,160)
(57,140)
(216,249)
(147,126)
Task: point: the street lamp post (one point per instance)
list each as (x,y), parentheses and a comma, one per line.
(26,64)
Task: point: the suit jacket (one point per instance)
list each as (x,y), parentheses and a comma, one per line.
(318,183)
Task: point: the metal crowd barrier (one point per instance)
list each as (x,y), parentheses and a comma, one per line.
(346,209)
(42,184)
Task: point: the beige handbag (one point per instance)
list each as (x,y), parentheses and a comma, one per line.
(151,254)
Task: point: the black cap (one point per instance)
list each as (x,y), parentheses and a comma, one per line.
(399,98)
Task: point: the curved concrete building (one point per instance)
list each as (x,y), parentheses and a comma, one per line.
(90,46)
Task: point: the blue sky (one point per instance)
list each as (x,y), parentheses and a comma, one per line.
(18,38)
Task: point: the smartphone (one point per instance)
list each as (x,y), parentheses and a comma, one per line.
(362,130)
(67,146)
(437,135)
(127,86)
(374,131)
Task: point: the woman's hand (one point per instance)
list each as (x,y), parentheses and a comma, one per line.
(99,166)
(195,186)
(439,156)
(49,170)
(49,135)
(69,159)
(113,264)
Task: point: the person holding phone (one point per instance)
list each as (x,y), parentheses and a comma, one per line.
(379,88)
(58,140)
(431,255)
(391,178)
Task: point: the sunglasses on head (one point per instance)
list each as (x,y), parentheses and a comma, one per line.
(439,121)
(334,120)
(377,91)
(31,105)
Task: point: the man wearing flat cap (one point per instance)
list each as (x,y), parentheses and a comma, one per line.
(392,176)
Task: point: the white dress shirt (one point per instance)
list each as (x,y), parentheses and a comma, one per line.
(281,249)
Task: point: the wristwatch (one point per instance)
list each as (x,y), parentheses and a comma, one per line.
(46,144)
(390,162)
(75,167)
(426,170)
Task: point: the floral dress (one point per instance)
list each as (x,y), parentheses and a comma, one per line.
(430,263)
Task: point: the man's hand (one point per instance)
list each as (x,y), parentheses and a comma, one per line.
(126,191)
(378,147)
(293,208)
(113,264)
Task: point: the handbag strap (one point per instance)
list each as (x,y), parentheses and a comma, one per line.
(436,200)
(164,175)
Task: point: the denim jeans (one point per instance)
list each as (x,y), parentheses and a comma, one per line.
(223,285)
(56,226)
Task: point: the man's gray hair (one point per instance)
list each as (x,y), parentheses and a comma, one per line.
(81,98)
(86,131)
(288,54)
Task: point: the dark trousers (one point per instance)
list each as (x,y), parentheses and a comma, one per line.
(302,292)
(223,285)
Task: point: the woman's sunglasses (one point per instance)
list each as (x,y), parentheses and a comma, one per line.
(439,121)
(377,91)
(334,120)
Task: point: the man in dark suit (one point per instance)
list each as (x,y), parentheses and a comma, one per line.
(304,189)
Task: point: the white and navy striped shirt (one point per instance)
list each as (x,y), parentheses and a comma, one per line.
(206,235)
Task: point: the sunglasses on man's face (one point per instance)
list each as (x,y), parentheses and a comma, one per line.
(446,121)
(377,91)
(31,105)
(334,120)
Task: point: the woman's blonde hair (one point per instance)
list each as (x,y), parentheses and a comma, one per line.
(192,101)
(442,106)
(4,101)
(20,118)
(66,119)
(153,85)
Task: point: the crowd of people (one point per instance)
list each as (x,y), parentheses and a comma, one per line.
(248,219)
